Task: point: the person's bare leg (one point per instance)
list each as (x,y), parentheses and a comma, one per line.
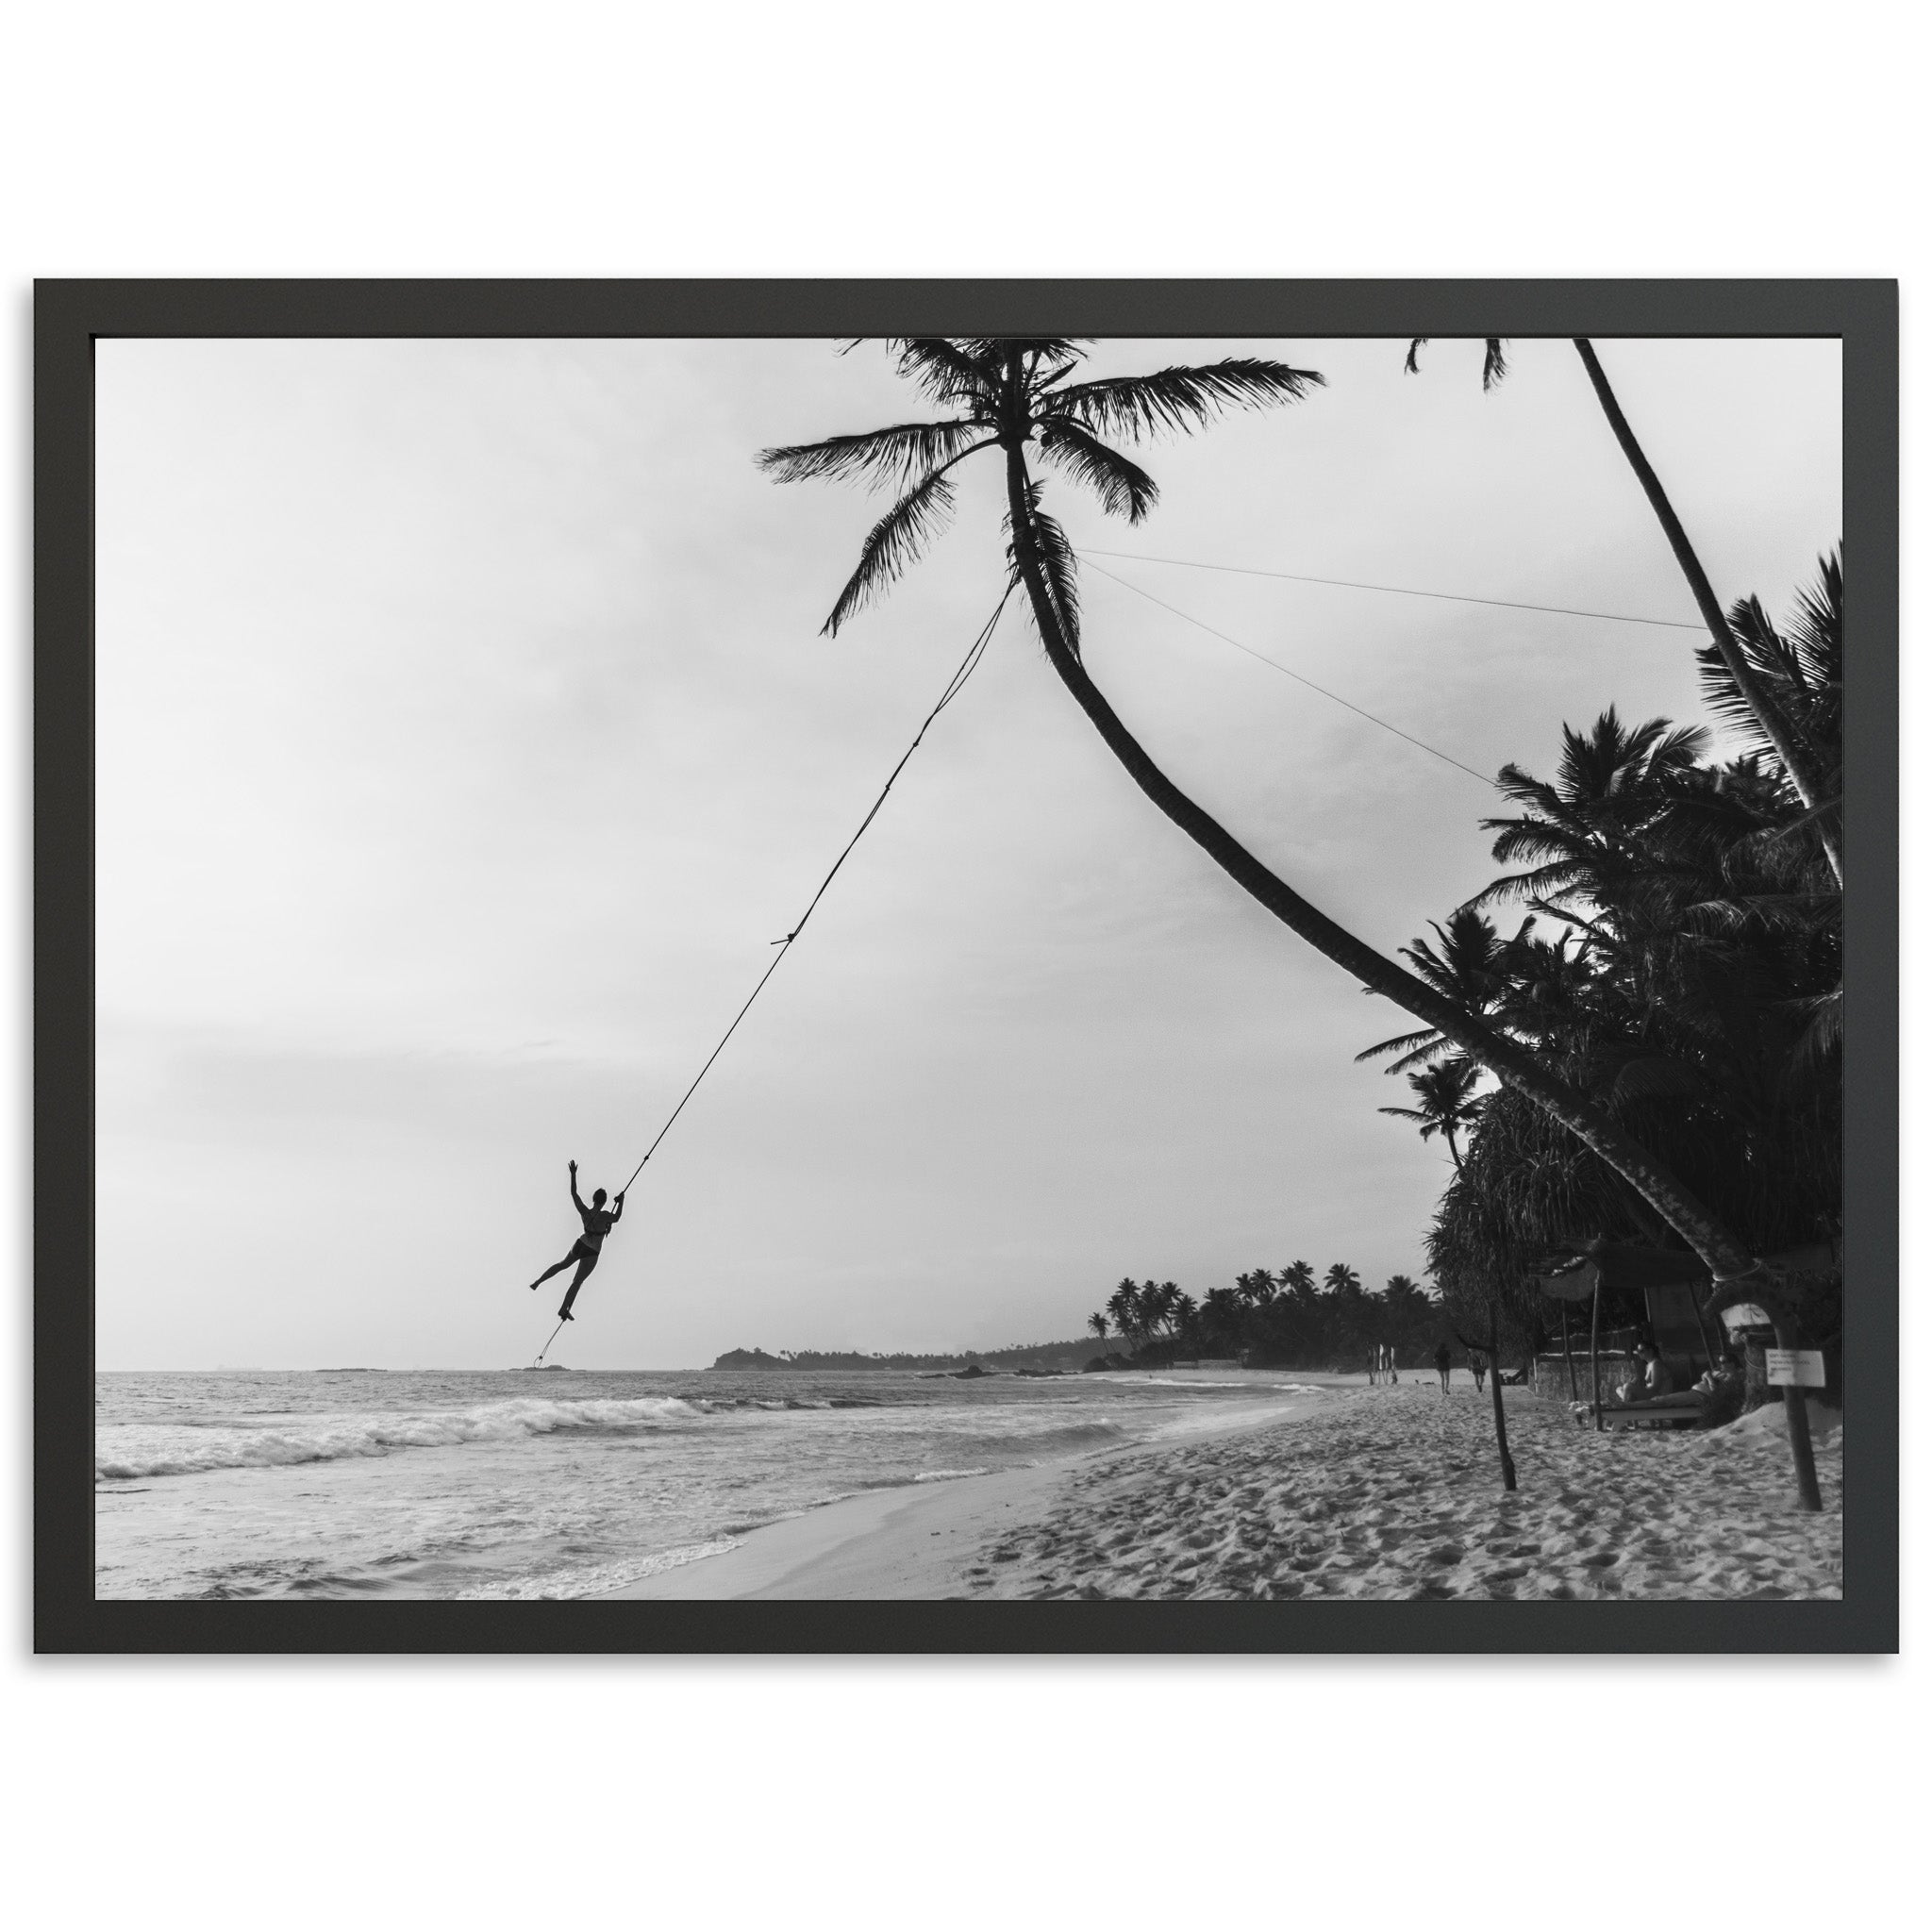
(584,1268)
(558,1270)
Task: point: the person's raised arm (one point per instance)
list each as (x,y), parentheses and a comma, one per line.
(577,1198)
(616,1209)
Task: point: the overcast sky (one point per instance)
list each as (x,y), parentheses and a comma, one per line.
(465,736)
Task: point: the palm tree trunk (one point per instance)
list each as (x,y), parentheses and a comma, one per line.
(1497,1401)
(1793,748)
(1596,1388)
(1719,1250)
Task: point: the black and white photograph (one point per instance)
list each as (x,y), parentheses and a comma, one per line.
(934,969)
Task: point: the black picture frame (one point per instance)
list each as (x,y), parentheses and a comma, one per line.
(70,316)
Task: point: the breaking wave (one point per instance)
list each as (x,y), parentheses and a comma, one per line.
(329,1439)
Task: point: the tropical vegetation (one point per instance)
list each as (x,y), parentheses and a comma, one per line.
(1680,965)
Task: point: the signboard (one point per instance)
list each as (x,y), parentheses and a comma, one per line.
(1794,1368)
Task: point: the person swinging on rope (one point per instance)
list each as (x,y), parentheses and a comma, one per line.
(598,1222)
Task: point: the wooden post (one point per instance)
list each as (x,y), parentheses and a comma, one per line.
(1569,1361)
(1596,1387)
(1798,1426)
(1703,1333)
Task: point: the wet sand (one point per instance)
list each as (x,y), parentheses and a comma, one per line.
(1375,1493)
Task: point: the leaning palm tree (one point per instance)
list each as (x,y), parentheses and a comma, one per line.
(1097,1321)
(1786,728)
(1014,395)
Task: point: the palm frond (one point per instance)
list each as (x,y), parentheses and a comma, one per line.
(895,540)
(1495,364)
(881,456)
(1179,398)
(1427,1054)
(947,371)
(1822,1042)
(1124,488)
(1059,567)
(1403,1042)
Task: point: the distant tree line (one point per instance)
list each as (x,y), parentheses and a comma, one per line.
(1283,1318)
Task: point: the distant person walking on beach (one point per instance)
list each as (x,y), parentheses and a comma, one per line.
(1442,1361)
(1374,1357)
(1477,1366)
(598,1222)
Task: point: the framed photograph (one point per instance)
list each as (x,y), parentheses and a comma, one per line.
(713,975)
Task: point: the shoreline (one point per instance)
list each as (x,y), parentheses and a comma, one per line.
(917,1541)
(1356,1492)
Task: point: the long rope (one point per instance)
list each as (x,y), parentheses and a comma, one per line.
(954,686)
(1334,697)
(1397,590)
(967,666)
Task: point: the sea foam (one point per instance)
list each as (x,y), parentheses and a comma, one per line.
(142,1451)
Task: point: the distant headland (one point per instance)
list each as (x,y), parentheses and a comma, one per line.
(1037,1355)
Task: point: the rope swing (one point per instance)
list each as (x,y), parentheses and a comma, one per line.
(956,684)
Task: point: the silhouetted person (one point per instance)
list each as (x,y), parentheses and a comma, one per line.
(1443,1361)
(1477,1366)
(598,1222)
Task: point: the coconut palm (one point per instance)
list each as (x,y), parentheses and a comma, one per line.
(1445,1102)
(1802,667)
(1256,1289)
(1475,969)
(1221,1311)
(1015,395)
(1784,727)
(1583,834)
(1166,1302)
(1097,1321)
(1298,1279)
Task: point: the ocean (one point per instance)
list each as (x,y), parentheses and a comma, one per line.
(352,1483)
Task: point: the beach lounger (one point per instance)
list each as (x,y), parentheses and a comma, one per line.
(1662,1412)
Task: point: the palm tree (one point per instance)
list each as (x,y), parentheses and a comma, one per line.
(1014,394)
(1403,1291)
(1166,1301)
(1473,968)
(1222,1310)
(1298,1279)
(1256,1289)
(1443,1102)
(1797,751)
(1343,1280)
(1097,1321)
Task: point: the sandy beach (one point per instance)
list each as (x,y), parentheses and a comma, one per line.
(1375,1493)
